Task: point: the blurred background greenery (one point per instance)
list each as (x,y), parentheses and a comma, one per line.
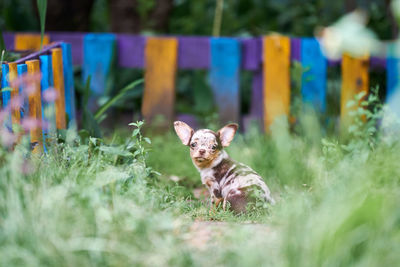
(185,17)
(242,18)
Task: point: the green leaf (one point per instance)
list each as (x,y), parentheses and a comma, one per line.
(135,132)
(42,7)
(147,140)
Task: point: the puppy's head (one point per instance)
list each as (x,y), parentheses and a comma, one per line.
(205,145)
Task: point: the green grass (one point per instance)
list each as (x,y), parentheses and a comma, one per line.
(99,204)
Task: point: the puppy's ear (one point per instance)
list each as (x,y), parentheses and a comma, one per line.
(184,132)
(227,133)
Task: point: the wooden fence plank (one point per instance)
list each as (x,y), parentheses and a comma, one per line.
(98,56)
(355,79)
(28,41)
(15,111)
(22,70)
(161,64)
(6,94)
(392,70)
(276,53)
(35,107)
(48,108)
(224,77)
(58,77)
(68,83)
(313,84)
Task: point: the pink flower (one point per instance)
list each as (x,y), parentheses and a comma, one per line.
(7,138)
(25,79)
(3,115)
(27,167)
(30,89)
(16,102)
(50,95)
(30,123)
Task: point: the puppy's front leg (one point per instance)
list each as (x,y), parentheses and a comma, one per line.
(217,201)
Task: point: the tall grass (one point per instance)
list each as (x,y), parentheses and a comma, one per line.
(97,203)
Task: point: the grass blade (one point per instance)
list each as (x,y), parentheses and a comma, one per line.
(114,99)
(42,7)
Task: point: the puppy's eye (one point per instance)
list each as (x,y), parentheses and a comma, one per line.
(193,144)
(214,147)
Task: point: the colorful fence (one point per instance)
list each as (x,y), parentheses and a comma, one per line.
(54,63)
(269,58)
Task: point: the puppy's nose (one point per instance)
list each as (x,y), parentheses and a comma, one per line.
(202,151)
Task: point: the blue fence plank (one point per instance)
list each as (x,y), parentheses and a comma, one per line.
(6,95)
(393,78)
(22,70)
(68,83)
(98,55)
(392,71)
(313,83)
(224,77)
(48,109)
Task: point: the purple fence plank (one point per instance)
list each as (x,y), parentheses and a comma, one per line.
(295,49)
(375,62)
(257,94)
(334,62)
(251,53)
(45,50)
(193,52)
(189,119)
(378,62)
(130,49)
(76,41)
(8,40)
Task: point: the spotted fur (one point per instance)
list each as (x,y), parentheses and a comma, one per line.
(226,179)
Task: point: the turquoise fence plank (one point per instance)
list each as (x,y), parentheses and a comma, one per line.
(68,83)
(22,70)
(313,82)
(48,108)
(393,80)
(98,55)
(224,77)
(6,95)
(392,70)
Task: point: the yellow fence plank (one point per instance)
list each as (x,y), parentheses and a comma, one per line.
(161,64)
(35,107)
(28,41)
(58,78)
(15,111)
(355,79)
(276,84)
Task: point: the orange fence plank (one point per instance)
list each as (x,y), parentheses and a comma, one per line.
(58,78)
(276,84)
(161,64)
(28,41)
(355,79)
(35,106)
(15,112)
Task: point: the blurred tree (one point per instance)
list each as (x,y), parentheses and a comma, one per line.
(71,15)
(134,16)
(18,15)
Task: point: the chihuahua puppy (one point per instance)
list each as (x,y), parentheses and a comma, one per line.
(226,180)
